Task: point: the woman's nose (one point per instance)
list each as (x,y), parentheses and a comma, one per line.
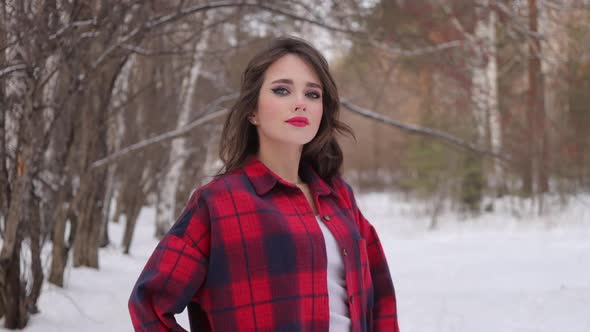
(300,105)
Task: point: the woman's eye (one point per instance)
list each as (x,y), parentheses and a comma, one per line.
(280,91)
(284,91)
(313,95)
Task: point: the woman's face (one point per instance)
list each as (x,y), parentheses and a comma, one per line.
(289,104)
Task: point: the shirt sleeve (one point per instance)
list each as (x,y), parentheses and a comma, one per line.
(174,272)
(385,304)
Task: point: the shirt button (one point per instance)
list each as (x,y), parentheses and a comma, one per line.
(326,217)
(351,299)
(344,252)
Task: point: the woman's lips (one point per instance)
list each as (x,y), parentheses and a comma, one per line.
(298,121)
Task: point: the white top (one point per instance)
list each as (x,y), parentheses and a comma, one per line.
(337,295)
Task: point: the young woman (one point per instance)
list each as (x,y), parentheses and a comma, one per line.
(276,241)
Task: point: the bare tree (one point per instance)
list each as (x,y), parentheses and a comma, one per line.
(100,100)
(165,210)
(22,125)
(536,107)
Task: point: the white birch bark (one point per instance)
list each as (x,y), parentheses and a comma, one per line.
(15,86)
(51,70)
(493,107)
(479,82)
(485,90)
(50,93)
(165,213)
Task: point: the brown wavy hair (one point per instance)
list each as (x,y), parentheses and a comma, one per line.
(239,137)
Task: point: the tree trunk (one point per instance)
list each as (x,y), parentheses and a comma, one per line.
(35,240)
(165,209)
(94,146)
(18,91)
(63,207)
(89,209)
(14,290)
(4,183)
(92,183)
(536,110)
(116,132)
(494,123)
(59,250)
(485,89)
(86,237)
(133,213)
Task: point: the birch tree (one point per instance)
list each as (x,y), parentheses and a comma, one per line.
(165,210)
(485,86)
(536,107)
(25,130)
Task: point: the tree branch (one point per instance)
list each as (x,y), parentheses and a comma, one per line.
(183,12)
(9,69)
(207,117)
(158,139)
(422,131)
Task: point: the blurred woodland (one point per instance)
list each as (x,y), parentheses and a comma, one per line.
(108,106)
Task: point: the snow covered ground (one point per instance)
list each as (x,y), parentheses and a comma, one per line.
(495,273)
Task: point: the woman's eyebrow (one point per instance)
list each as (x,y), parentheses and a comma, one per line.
(290,81)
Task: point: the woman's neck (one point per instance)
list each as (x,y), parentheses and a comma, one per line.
(284,163)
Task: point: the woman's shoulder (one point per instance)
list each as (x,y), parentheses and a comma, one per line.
(342,187)
(219,188)
(340,184)
(221,184)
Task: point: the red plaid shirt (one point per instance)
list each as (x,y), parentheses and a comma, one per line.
(247,254)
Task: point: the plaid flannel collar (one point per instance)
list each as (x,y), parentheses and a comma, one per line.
(263,179)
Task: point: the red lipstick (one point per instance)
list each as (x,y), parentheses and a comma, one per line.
(298,121)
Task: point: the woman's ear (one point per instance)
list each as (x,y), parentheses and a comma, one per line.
(252,119)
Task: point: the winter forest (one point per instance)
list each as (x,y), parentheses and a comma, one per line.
(471,153)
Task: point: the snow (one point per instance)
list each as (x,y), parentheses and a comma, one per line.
(493,273)
(496,272)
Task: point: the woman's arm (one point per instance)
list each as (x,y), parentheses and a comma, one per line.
(385,305)
(174,272)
